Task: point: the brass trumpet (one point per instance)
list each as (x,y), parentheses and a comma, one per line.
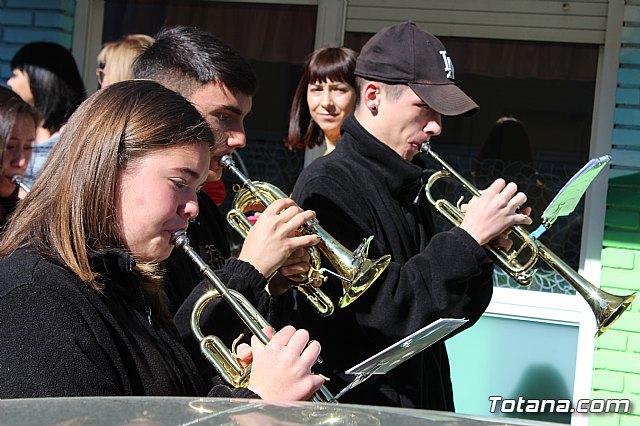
(214,350)
(356,272)
(606,307)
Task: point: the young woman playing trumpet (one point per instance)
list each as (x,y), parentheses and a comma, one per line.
(81,302)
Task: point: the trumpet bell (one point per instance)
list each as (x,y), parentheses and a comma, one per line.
(608,307)
(356,272)
(366,272)
(364,279)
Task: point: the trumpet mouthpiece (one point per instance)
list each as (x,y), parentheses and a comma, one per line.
(426,147)
(179,238)
(17,179)
(226,160)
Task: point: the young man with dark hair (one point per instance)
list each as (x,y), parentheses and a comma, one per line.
(367,186)
(220,83)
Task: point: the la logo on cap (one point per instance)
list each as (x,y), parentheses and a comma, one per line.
(448,65)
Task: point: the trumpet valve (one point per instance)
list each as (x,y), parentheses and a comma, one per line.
(234,345)
(316,277)
(512,256)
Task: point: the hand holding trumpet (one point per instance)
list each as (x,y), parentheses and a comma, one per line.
(488,217)
(273,242)
(289,356)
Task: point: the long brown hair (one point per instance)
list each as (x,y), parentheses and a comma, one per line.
(328,63)
(70,211)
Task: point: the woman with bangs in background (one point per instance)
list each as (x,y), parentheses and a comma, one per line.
(324,97)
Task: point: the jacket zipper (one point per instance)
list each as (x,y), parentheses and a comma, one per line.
(147,308)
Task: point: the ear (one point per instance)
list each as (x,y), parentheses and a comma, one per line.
(371,96)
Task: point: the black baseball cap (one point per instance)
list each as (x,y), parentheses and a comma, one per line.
(405,54)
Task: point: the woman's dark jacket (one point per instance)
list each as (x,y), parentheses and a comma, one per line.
(58,337)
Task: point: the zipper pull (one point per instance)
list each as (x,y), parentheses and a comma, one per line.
(148,310)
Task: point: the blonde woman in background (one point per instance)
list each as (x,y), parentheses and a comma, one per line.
(116,57)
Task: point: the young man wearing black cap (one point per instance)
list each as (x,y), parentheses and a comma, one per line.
(367,186)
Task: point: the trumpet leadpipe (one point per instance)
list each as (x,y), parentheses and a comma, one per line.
(182,241)
(221,357)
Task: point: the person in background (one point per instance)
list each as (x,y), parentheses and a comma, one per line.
(18,123)
(81,306)
(324,97)
(507,152)
(46,77)
(116,58)
(373,185)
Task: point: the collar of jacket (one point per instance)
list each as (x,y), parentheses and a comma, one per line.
(116,269)
(402,176)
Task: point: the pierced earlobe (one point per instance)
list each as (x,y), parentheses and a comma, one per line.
(374,108)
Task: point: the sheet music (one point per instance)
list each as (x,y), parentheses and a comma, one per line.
(566,200)
(389,358)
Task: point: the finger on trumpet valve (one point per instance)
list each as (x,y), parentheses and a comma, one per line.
(234,345)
